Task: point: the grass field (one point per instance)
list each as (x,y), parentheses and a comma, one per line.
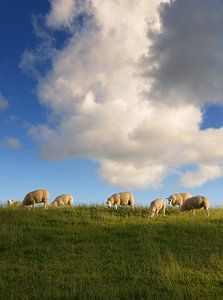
(99,253)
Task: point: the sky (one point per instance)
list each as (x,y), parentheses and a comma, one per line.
(99,96)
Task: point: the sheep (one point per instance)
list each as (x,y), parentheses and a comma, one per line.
(178,199)
(12,203)
(37,196)
(196,202)
(156,205)
(123,198)
(65,199)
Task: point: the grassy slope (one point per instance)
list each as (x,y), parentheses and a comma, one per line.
(97,253)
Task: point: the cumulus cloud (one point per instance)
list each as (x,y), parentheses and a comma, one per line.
(61,14)
(127,89)
(11,143)
(3,102)
(128,175)
(202,175)
(185,60)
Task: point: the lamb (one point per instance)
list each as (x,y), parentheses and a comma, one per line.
(156,205)
(178,199)
(123,198)
(12,203)
(65,199)
(38,196)
(196,202)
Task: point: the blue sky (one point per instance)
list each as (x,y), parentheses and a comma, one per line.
(104,97)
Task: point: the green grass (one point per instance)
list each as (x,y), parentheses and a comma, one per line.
(98,253)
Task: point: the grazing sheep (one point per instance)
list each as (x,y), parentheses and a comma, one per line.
(38,196)
(196,202)
(178,199)
(12,203)
(124,198)
(156,205)
(65,199)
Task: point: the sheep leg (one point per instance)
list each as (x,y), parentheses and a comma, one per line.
(32,203)
(193,211)
(45,202)
(164,210)
(157,211)
(31,206)
(116,206)
(207,212)
(152,214)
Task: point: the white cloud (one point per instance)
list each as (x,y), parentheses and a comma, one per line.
(61,14)
(3,102)
(203,174)
(130,176)
(137,127)
(12,143)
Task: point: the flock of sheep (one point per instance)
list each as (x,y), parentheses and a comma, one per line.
(184,200)
(42,196)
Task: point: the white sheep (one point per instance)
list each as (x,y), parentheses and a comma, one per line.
(178,199)
(196,202)
(157,205)
(12,203)
(38,196)
(65,199)
(123,198)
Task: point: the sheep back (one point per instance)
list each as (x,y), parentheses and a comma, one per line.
(196,202)
(64,199)
(157,204)
(37,196)
(178,199)
(122,198)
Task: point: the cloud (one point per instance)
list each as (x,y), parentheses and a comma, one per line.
(3,102)
(37,61)
(127,89)
(12,143)
(130,176)
(61,13)
(204,173)
(185,60)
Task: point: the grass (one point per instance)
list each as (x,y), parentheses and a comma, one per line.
(98,253)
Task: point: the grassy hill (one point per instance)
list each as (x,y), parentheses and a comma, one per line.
(98,253)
